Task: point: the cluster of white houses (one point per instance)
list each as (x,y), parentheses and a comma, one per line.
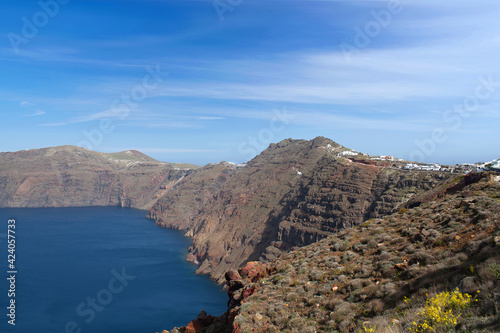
(459,168)
(464,167)
(425,167)
(348,153)
(493,165)
(380,158)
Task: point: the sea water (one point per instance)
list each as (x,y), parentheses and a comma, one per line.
(98,270)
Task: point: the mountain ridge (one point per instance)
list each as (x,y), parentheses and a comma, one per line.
(292,194)
(296,194)
(66,176)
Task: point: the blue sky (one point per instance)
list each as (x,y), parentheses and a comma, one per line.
(205,81)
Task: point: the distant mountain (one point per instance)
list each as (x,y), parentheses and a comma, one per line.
(294,193)
(131,155)
(72,176)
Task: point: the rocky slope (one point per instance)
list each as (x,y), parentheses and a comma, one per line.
(434,267)
(69,176)
(293,194)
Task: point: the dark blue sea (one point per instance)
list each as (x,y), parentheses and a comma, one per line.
(99,270)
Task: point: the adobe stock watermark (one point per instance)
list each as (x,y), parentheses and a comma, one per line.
(372,29)
(31,26)
(88,309)
(455,117)
(121,107)
(223,6)
(253,145)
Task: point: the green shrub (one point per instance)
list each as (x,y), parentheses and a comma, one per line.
(470,270)
(402,211)
(495,270)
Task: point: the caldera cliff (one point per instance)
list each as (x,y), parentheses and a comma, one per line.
(69,176)
(294,193)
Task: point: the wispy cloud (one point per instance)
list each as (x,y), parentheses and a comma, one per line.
(211,118)
(26,104)
(169,150)
(36,113)
(226,78)
(32,107)
(140,118)
(51,124)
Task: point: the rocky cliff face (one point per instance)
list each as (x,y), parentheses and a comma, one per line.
(431,267)
(70,176)
(293,194)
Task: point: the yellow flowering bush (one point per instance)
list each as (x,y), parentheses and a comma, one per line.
(369,329)
(442,311)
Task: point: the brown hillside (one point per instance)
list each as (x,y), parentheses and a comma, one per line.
(377,276)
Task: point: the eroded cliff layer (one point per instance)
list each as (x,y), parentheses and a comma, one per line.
(293,194)
(69,176)
(404,272)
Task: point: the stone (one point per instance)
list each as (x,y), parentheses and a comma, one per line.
(232,275)
(468,285)
(247,269)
